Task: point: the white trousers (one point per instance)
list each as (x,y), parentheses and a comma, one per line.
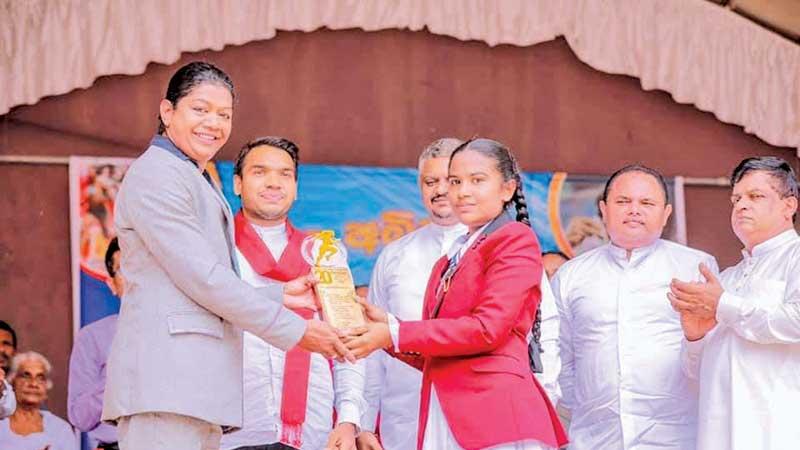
(165,431)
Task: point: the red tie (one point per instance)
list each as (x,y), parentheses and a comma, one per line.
(298,361)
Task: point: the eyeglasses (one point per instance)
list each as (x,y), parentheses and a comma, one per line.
(31,379)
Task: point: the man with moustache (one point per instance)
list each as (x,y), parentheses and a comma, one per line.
(398,286)
(743,328)
(620,340)
(289,397)
(8,348)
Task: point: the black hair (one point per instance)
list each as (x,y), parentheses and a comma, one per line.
(558,253)
(113,247)
(777,168)
(506,165)
(509,169)
(188,77)
(637,168)
(6,327)
(272,141)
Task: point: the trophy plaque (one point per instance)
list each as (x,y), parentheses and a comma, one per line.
(335,289)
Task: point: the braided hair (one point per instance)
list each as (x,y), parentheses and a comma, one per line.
(509,169)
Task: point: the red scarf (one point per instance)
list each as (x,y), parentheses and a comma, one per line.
(298,361)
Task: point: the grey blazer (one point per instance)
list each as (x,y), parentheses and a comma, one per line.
(178,346)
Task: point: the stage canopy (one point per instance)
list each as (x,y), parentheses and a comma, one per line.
(699,52)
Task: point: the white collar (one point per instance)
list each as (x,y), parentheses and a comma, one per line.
(620,255)
(770,244)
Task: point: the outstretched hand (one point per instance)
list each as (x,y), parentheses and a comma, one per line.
(343,437)
(373,312)
(368,441)
(299,293)
(362,341)
(326,340)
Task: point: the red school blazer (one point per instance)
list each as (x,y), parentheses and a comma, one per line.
(473,346)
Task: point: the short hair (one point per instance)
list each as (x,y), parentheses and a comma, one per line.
(21,358)
(776,167)
(272,141)
(440,148)
(5,326)
(637,168)
(113,247)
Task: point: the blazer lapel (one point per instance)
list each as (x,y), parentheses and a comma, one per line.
(228,214)
(431,300)
(436,305)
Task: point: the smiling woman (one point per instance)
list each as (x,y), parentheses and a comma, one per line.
(480,304)
(30,427)
(197,112)
(184,296)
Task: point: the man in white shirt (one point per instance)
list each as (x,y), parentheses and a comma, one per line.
(620,340)
(398,284)
(289,397)
(8,348)
(743,330)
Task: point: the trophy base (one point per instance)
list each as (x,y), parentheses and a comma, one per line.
(337,294)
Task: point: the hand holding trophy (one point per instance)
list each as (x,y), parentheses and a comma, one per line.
(375,335)
(299,293)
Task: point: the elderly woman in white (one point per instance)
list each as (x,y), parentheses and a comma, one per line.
(31,428)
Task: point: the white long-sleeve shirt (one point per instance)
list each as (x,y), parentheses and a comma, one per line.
(398,285)
(749,364)
(621,348)
(8,401)
(264,372)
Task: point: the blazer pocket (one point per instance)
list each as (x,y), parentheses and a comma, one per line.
(195,322)
(499,364)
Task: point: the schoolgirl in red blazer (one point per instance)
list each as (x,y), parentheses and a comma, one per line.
(478,390)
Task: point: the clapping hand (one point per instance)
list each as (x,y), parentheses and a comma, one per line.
(697,303)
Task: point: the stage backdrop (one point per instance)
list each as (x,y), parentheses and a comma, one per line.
(367,207)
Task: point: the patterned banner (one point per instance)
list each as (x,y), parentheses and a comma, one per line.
(367,207)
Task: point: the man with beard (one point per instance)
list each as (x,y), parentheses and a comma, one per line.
(8,348)
(398,286)
(289,396)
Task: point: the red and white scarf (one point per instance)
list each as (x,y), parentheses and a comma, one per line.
(298,361)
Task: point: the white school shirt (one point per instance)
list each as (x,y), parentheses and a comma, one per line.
(263,379)
(438,435)
(620,342)
(749,364)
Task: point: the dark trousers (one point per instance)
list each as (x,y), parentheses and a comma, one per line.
(275,446)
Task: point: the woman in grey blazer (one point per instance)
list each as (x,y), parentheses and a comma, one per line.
(175,367)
